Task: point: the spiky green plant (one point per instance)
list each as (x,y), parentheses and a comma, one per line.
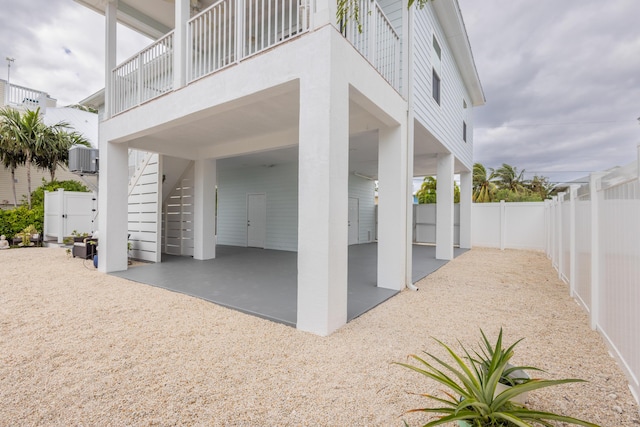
(472,385)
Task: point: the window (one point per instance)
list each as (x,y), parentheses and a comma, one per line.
(436,48)
(435,86)
(464,131)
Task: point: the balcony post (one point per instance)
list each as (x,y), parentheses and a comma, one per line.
(372,31)
(239,36)
(110,55)
(180,44)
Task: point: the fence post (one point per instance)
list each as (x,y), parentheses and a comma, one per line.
(61,215)
(573,192)
(559,228)
(503,225)
(594,180)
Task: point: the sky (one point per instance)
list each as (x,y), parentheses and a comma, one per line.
(561,77)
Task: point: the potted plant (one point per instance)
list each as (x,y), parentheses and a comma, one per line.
(29,232)
(473,399)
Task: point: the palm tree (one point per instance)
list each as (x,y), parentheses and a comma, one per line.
(55,150)
(483,188)
(508,178)
(36,143)
(539,185)
(28,131)
(11,156)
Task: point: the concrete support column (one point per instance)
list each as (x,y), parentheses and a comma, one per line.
(180,44)
(466,192)
(204,209)
(110,54)
(323,200)
(444,207)
(324,13)
(113,206)
(392,207)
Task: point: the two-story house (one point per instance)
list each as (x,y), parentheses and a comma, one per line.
(293,117)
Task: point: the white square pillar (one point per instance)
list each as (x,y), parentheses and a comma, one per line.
(466,193)
(113,206)
(323,203)
(392,207)
(444,207)
(204,209)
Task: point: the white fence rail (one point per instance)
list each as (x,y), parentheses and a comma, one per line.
(594,242)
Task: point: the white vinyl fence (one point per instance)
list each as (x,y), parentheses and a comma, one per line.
(593,240)
(508,225)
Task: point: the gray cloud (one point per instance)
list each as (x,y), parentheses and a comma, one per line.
(569,70)
(58,46)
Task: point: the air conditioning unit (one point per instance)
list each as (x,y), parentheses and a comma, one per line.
(83,160)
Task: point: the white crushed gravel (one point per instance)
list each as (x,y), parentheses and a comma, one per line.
(81,348)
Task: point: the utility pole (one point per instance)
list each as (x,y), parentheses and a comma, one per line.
(8,88)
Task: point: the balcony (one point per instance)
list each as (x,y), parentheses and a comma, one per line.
(230,31)
(23,97)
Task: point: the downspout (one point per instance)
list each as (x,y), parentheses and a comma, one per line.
(410,143)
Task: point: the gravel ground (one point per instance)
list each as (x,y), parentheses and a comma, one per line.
(78,347)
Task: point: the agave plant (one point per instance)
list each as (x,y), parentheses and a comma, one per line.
(472,399)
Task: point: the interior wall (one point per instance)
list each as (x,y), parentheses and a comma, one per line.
(280,185)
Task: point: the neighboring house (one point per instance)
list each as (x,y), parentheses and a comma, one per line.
(23,98)
(291,116)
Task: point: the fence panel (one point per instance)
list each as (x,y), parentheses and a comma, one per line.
(607,258)
(582,280)
(619,290)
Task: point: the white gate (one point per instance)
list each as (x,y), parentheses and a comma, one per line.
(68,211)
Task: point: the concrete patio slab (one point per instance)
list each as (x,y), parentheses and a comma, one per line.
(264,282)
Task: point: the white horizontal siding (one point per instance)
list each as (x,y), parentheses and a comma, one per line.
(280,185)
(144,211)
(364,190)
(444,121)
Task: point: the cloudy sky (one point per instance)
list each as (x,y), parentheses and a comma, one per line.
(561,77)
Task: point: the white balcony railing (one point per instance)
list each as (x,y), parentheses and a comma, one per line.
(376,39)
(231,30)
(217,39)
(144,76)
(24,97)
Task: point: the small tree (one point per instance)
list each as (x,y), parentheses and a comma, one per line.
(483,188)
(427,192)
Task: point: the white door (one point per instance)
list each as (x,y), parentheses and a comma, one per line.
(256,220)
(354,221)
